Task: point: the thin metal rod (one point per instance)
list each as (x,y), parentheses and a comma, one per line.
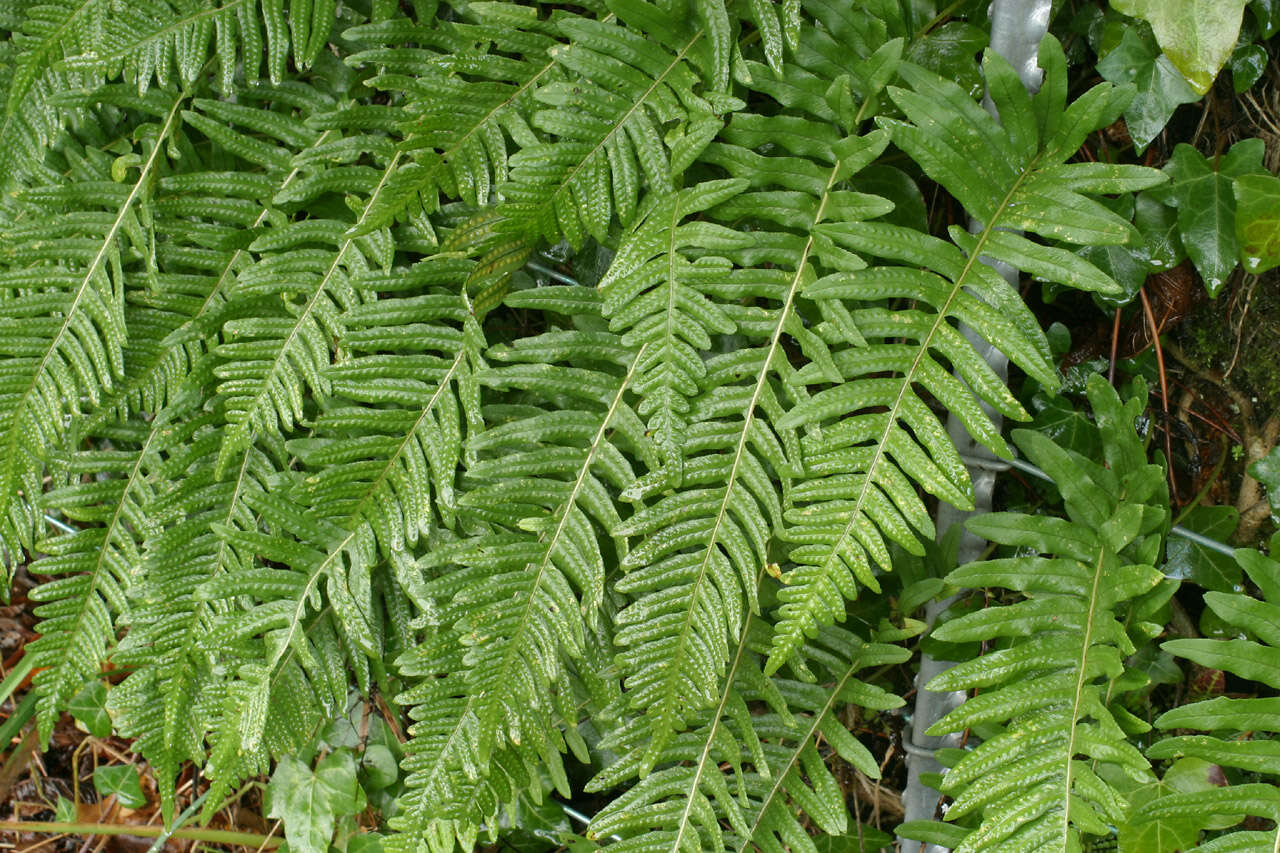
(993,464)
(553,274)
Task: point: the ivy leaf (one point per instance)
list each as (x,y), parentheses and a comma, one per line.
(1207,569)
(1258,221)
(121,780)
(1066,424)
(309,801)
(1161,88)
(1247,64)
(950,52)
(1267,472)
(1158,225)
(89,707)
(1267,13)
(1206,204)
(1196,35)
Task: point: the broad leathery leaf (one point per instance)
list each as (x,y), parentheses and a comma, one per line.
(1206,205)
(1258,228)
(1161,88)
(1197,35)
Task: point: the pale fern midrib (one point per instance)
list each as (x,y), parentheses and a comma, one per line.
(891,417)
(780,774)
(1078,694)
(620,124)
(247,427)
(704,758)
(672,673)
(145,377)
(510,653)
(352,522)
(11,456)
(63,668)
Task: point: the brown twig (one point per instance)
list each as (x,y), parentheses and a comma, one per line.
(1164,390)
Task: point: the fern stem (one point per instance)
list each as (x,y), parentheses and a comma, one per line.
(686,815)
(212,836)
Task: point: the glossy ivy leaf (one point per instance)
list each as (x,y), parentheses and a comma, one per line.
(121,780)
(89,707)
(1267,14)
(1196,35)
(310,801)
(1267,472)
(1203,193)
(1258,221)
(1161,88)
(1167,833)
(1247,64)
(949,51)
(1158,224)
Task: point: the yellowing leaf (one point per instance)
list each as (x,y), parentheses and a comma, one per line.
(1196,35)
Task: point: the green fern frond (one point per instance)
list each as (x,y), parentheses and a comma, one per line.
(271,358)
(651,294)
(62,326)
(1009,176)
(1232,719)
(461,104)
(776,772)
(385,448)
(605,124)
(173,698)
(91,570)
(65,46)
(528,592)
(1038,780)
(444,781)
(702,546)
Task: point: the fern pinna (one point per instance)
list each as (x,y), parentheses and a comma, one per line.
(281,344)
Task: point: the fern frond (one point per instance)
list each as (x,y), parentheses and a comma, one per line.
(174,696)
(528,592)
(461,104)
(444,782)
(702,546)
(1038,782)
(775,772)
(63,329)
(385,448)
(1232,719)
(651,294)
(1009,176)
(270,359)
(91,570)
(605,124)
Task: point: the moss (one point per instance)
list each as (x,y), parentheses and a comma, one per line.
(1209,338)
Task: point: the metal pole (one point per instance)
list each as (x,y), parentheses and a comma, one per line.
(1017,27)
